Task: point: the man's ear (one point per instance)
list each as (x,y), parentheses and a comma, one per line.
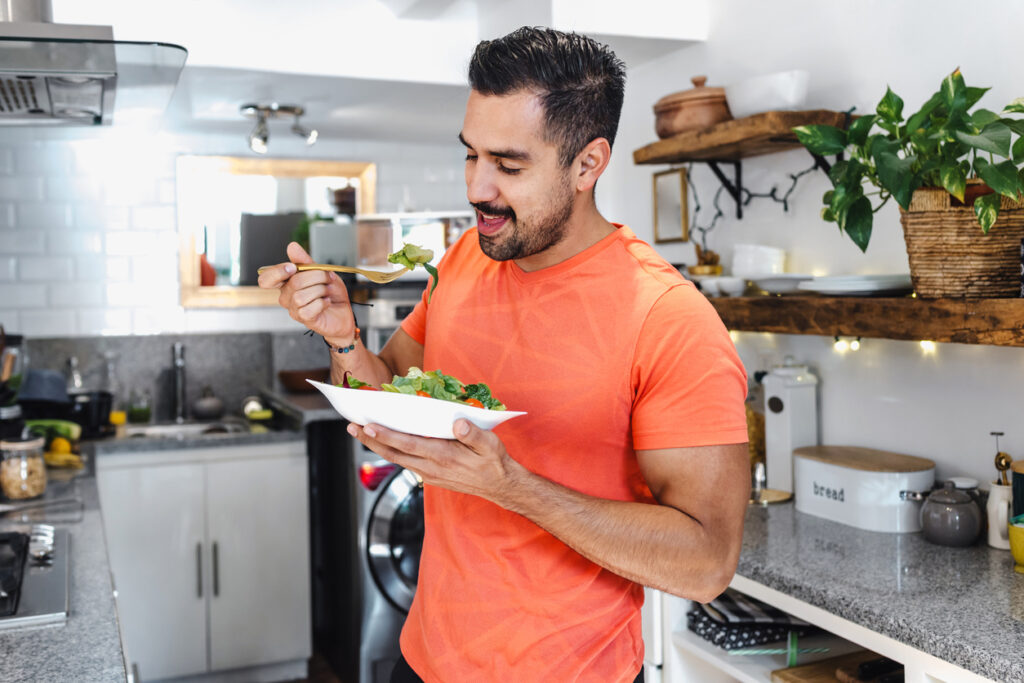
(591,162)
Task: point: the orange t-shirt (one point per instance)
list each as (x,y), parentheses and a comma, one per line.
(609,351)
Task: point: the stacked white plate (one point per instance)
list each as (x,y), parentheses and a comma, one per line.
(858,285)
(781,283)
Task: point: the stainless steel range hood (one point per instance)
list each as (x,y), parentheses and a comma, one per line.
(67,74)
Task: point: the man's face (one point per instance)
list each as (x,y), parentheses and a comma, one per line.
(522,194)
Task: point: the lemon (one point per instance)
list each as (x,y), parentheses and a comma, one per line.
(60,445)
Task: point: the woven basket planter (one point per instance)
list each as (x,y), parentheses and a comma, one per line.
(950,257)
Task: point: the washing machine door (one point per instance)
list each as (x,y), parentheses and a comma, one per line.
(395,538)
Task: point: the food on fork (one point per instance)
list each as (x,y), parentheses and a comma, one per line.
(410,256)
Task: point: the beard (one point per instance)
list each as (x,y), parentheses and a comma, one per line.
(526,238)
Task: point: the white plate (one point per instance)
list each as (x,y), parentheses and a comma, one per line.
(781,283)
(859,285)
(417,415)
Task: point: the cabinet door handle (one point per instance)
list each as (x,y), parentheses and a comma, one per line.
(199,570)
(216,571)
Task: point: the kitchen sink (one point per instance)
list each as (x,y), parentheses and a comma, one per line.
(185,430)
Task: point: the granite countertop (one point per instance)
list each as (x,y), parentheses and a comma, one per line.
(133,445)
(962,605)
(88,646)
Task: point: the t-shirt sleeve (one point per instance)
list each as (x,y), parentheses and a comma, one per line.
(689,383)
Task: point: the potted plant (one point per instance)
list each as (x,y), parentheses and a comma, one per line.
(938,164)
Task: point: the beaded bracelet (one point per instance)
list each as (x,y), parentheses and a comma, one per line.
(344,349)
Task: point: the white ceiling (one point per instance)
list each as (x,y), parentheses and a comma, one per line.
(207,100)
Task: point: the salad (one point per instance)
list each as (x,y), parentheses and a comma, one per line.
(411,256)
(432,384)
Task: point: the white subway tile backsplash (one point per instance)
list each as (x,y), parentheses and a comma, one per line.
(100,217)
(75,242)
(8,268)
(44,268)
(39,216)
(142,293)
(119,268)
(77,294)
(131,243)
(166,191)
(239,320)
(154,320)
(122,190)
(23,296)
(49,323)
(6,215)
(90,268)
(11,320)
(6,161)
(38,159)
(22,242)
(74,188)
(21,188)
(104,321)
(153,218)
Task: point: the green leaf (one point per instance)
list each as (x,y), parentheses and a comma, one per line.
(917,120)
(859,129)
(986,210)
(1015,107)
(1018,151)
(890,107)
(954,180)
(433,274)
(994,138)
(895,174)
(827,215)
(1016,125)
(823,140)
(858,222)
(1001,177)
(975,94)
(954,92)
(983,117)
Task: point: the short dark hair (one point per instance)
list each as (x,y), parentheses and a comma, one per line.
(580,82)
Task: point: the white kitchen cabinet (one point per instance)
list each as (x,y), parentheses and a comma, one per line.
(209,548)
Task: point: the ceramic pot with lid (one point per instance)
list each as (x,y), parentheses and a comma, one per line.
(695,109)
(951,517)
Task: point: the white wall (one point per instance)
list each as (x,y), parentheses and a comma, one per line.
(88,240)
(890,394)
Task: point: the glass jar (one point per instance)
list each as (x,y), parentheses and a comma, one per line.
(22,468)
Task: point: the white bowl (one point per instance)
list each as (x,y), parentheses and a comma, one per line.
(417,415)
(732,286)
(785,90)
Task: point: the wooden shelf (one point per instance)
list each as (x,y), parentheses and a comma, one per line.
(998,322)
(764,133)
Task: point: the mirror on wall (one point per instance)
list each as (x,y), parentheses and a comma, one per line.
(236,214)
(671,222)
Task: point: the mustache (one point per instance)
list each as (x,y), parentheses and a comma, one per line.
(492,210)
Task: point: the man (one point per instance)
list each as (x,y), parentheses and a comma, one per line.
(630,467)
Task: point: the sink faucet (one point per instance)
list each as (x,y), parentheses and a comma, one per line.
(178,356)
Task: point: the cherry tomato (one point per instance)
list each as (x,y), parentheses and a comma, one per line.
(420,392)
(368,388)
(473,402)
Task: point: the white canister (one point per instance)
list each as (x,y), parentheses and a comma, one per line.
(1000,501)
(790,420)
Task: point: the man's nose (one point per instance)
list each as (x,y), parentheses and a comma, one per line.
(480,185)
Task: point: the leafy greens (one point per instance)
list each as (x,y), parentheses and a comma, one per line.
(411,256)
(434,383)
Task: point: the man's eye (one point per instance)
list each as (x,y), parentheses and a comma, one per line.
(470,157)
(507,170)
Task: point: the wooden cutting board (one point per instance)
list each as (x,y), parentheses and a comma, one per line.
(824,670)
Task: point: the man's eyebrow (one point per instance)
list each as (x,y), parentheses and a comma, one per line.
(512,154)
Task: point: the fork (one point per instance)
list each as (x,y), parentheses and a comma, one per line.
(377,276)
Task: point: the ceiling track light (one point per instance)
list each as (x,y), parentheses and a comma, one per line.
(259,138)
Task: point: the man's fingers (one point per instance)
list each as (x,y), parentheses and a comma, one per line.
(276,276)
(470,435)
(296,254)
